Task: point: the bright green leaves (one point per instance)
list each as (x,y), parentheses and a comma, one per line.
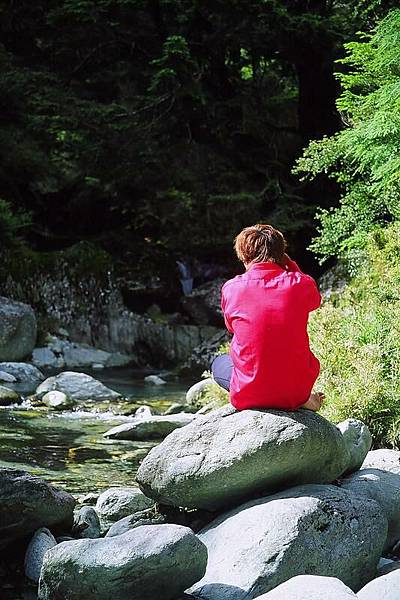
(364,157)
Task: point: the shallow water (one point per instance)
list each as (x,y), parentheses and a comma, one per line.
(68,449)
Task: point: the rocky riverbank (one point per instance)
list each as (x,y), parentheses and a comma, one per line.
(230,505)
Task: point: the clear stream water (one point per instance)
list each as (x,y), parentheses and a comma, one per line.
(68,448)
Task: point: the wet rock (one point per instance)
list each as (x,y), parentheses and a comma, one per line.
(56,400)
(78,387)
(194,393)
(8,397)
(41,541)
(79,355)
(203,304)
(23,372)
(358,440)
(7,378)
(155,380)
(310,587)
(18,330)
(386,587)
(44,358)
(384,488)
(227,455)
(177,408)
(202,355)
(147,428)
(86,523)
(143,517)
(148,563)
(386,565)
(313,529)
(116,503)
(28,503)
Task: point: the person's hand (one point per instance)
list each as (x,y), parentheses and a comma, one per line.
(286,261)
(314,402)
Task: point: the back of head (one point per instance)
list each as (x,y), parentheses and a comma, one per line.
(260,243)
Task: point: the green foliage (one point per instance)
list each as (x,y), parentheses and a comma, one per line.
(11,225)
(357,338)
(364,157)
(108,105)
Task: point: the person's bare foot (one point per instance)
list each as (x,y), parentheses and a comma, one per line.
(314,402)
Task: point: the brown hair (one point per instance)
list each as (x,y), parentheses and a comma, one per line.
(260,243)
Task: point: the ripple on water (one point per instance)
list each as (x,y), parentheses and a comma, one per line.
(68,448)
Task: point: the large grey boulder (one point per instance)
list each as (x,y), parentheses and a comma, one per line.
(147,428)
(79,387)
(143,517)
(310,587)
(358,440)
(27,503)
(386,460)
(18,330)
(313,529)
(384,488)
(148,563)
(386,587)
(228,455)
(116,503)
(23,372)
(41,541)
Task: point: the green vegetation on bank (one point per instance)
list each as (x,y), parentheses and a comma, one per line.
(356,336)
(363,158)
(357,333)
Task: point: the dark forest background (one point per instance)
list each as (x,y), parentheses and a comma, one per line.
(157,129)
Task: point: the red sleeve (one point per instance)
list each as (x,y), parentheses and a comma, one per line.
(226,317)
(314,297)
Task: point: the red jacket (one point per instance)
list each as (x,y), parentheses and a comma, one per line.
(267,311)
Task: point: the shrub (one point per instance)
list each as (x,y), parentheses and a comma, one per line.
(357,338)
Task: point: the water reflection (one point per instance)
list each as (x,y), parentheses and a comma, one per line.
(68,448)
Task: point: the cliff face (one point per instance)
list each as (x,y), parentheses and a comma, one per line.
(79,291)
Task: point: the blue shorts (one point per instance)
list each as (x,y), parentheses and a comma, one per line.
(221,369)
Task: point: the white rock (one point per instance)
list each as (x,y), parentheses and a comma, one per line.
(79,387)
(384,488)
(23,372)
(195,391)
(143,412)
(6,377)
(386,587)
(155,562)
(310,587)
(228,455)
(44,358)
(87,523)
(97,366)
(155,380)
(116,503)
(147,428)
(41,541)
(358,440)
(313,529)
(56,400)
(387,460)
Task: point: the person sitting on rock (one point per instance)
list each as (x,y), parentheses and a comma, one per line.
(270,364)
